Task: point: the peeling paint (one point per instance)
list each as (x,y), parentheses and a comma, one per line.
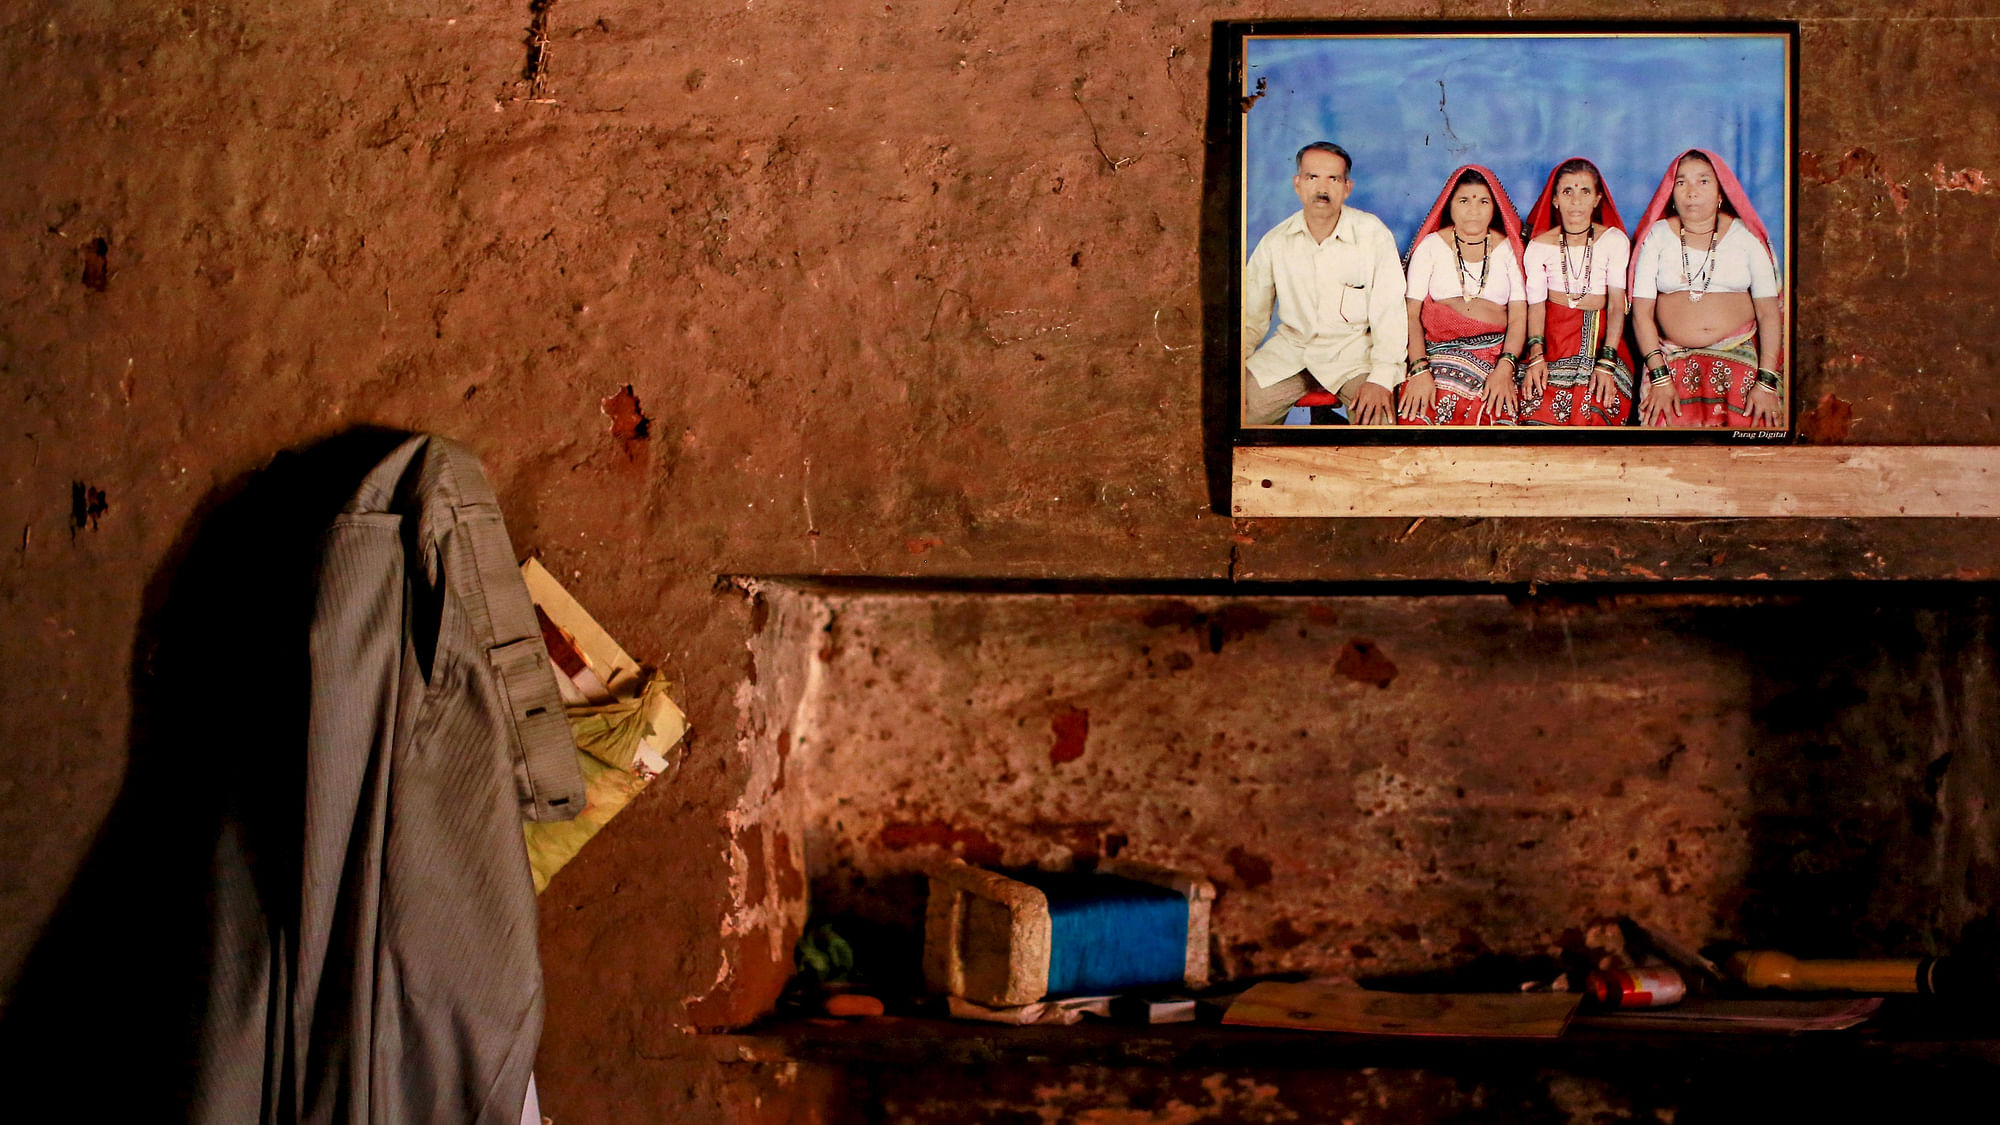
(1856,161)
(1260,90)
(1965,179)
(1870,167)
(777,707)
(629,424)
(1827,422)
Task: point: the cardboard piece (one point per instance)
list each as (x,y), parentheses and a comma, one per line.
(627,728)
(612,663)
(1728,1015)
(1340,1006)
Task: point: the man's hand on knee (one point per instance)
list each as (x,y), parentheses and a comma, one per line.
(1372,405)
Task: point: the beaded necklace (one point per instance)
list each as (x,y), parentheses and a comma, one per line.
(1485,262)
(1589,242)
(1707,271)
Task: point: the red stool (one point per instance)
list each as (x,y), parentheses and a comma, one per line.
(1321,404)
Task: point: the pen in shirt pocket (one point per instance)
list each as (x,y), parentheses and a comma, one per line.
(1346,287)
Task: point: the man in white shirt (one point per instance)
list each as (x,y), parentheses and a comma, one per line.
(1337,281)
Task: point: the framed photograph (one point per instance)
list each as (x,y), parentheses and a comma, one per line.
(1514,232)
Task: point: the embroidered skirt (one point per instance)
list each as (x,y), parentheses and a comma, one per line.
(1463,352)
(1712,384)
(1572,337)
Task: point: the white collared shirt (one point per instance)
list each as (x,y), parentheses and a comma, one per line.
(1339,303)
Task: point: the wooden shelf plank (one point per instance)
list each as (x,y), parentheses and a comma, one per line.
(1823,481)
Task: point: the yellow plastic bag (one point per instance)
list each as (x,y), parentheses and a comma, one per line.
(621,747)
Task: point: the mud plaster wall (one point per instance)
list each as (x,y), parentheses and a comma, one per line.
(897,289)
(1397,784)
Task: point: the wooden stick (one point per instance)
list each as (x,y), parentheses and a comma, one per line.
(1820,481)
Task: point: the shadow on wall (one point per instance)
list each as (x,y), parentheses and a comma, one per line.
(1220,261)
(1871,778)
(107,1011)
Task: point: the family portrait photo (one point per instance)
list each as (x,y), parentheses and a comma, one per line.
(1527,233)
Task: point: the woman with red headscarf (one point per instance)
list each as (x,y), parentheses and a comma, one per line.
(1705,303)
(1578,371)
(1468,307)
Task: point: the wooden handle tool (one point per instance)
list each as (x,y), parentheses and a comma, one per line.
(1764,968)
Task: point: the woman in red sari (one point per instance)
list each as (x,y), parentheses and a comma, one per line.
(1705,305)
(1468,308)
(1579,372)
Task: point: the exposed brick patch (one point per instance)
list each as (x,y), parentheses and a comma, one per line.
(970,844)
(1072,730)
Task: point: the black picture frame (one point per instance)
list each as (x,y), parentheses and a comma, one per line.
(1236,95)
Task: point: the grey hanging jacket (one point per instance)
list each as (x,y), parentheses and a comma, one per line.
(398,982)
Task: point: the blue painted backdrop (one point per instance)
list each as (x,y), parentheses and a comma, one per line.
(1411,110)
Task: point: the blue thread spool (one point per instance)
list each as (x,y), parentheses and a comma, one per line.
(1108,933)
(1005,941)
